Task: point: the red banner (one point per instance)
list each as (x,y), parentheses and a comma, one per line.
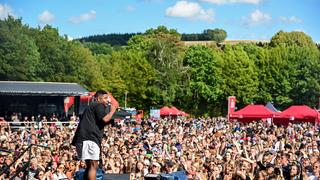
(231,104)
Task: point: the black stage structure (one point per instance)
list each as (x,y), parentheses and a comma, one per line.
(32,98)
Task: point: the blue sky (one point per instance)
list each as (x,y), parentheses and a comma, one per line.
(242,19)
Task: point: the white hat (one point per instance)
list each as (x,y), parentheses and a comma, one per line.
(156,164)
(146,162)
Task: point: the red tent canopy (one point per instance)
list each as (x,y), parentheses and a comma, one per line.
(252,112)
(178,112)
(300,113)
(165,111)
(175,111)
(184,114)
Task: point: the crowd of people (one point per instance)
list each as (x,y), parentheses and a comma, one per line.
(202,148)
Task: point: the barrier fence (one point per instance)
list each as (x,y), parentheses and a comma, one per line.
(29,124)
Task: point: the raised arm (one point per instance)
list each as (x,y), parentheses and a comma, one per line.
(108,117)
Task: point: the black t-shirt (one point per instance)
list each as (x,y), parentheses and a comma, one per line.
(91,124)
(286,171)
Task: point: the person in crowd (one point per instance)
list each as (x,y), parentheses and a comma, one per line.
(203,148)
(60,172)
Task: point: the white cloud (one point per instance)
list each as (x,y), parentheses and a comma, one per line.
(190,10)
(232,1)
(257,17)
(290,20)
(5,11)
(46,17)
(83,17)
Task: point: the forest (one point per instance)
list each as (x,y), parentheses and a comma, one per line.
(154,68)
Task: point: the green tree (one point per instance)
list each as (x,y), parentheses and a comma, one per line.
(218,35)
(278,73)
(259,56)
(52,49)
(165,56)
(81,66)
(299,57)
(128,71)
(291,38)
(98,48)
(19,55)
(65,61)
(139,77)
(239,74)
(162,49)
(139,42)
(204,79)
(305,80)
(112,71)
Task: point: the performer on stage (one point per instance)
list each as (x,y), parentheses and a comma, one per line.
(89,133)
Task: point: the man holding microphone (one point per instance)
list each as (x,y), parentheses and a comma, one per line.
(89,133)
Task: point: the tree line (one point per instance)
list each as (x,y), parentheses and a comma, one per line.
(156,69)
(112,39)
(217,35)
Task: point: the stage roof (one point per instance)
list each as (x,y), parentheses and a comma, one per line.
(27,88)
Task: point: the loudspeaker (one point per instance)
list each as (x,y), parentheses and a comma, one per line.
(152,177)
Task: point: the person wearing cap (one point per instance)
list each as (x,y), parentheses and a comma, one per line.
(90,131)
(155,168)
